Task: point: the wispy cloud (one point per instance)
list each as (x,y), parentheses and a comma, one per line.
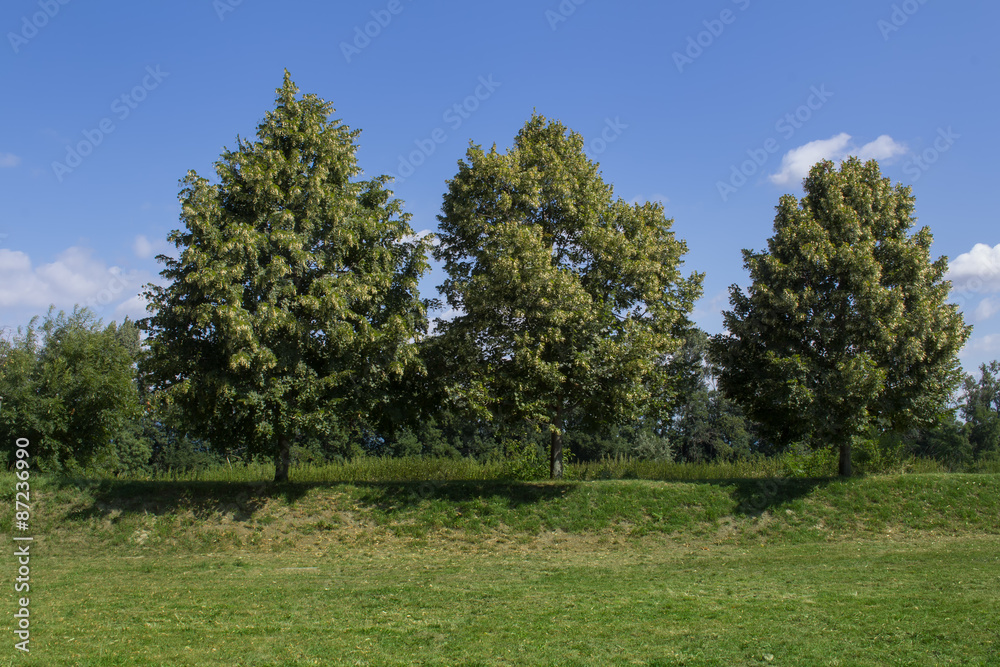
(142,247)
(9,160)
(796,163)
(986,309)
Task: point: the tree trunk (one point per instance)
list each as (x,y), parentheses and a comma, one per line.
(283,459)
(845,458)
(556,448)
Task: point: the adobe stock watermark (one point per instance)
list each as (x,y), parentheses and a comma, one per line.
(699,43)
(223,7)
(30,25)
(787,125)
(901,13)
(118,283)
(613,129)
(121,107)
(454,116)
(562,13)
(22,544)
(363,35)
(919,164)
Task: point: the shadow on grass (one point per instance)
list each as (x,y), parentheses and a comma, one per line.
(111,499)
(242,500)
(753,497)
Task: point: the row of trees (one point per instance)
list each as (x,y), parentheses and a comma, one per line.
(71,385)
(291,316)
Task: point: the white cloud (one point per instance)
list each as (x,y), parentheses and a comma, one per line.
(883,148)
(977,270)
(9,160)
(75,277)
(410,238)
(796,163)
(986,309)
(142,247)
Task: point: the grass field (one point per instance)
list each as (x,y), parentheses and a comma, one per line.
(894,570)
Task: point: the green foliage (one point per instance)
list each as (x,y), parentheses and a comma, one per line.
(425,439)
(704,424)
(981,410)
(524,460)
(845,326)
(294,299)
(803,461)
(568,298)
(69,386)
(987,465)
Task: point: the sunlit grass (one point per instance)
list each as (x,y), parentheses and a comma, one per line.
(733,568)
(569,601)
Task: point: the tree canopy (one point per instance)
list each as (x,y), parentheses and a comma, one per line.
(845,324)
(68,385)
(294,297)
(981,410)
(567,297)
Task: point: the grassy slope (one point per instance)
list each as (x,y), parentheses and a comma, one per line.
(146,516)
(885,570)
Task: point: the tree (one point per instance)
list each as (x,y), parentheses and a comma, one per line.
(569,300)
(845,324)
(981,411)
(701,422)
(69,386)
(294,298)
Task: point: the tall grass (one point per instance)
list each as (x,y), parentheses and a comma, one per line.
(628,468)
(417,469)
(362,469)
(793,463)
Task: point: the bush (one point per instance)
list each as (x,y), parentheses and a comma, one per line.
(803,461)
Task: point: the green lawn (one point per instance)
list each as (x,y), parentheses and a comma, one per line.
(879,571)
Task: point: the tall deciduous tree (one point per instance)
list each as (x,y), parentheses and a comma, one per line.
(845,325)
(568,298)
(294,298)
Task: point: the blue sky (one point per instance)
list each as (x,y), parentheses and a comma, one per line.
(714,107)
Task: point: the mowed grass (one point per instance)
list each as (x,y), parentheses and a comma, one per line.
(896,570)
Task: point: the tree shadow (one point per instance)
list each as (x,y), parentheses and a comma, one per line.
(113,499)
(397,496)
(755,496)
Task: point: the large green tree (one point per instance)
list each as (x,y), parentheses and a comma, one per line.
(845,325)
(294,297)
(568,298)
